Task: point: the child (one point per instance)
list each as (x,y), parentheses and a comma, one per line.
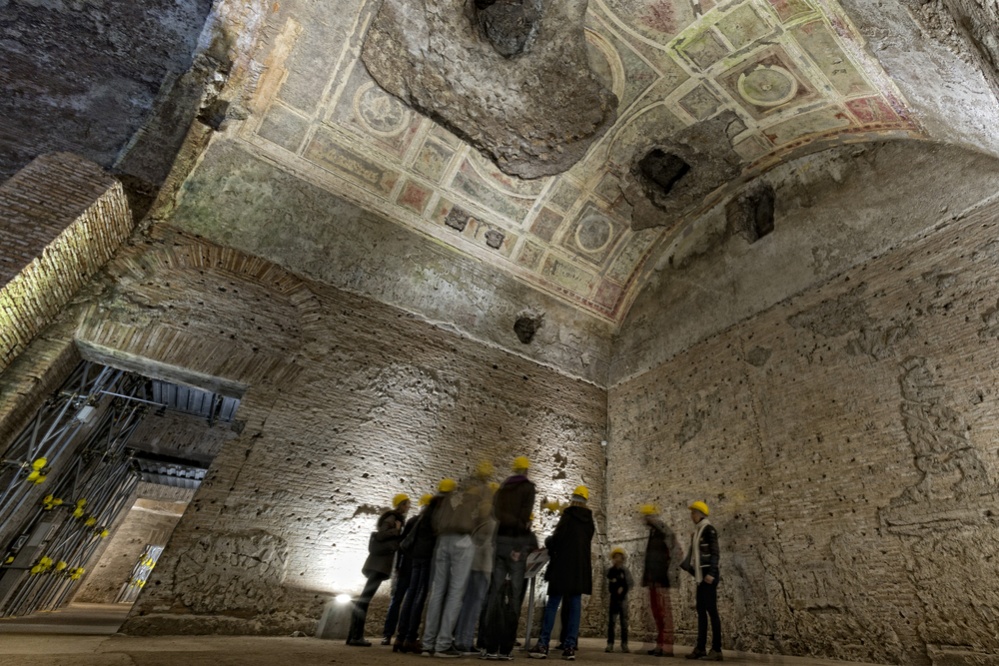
(618,583)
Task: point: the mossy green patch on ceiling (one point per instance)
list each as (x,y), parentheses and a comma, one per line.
(792,71)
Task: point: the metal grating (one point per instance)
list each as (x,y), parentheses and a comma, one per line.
(212,406)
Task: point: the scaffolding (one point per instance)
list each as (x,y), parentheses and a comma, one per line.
(79,438)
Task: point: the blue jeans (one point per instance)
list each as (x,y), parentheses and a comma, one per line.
(452,565)
(575,605)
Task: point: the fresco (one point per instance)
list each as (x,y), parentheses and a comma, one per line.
(794,71)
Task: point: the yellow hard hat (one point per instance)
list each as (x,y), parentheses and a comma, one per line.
(425,499)
(648,510)
(446,485)
(582,491)
(399,499)
(530,518)
(617,551)
(699,506)
(521,462)
(484,469)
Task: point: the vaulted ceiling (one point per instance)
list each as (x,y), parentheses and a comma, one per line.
(783,76)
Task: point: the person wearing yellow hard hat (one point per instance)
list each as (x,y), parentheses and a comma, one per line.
(569,573)
(403,572)
(484,537)
(702,563)
(619,583)
(655,576)
(419,549)
(382,546)
(512,506)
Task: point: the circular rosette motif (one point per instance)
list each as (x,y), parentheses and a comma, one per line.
(380,113)
(767,85)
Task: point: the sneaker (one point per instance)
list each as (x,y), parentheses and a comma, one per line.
(488,656)
(697,654)
(426,653)
(449,653)
(569,654)
(387,640)
(609,648)
(624,647)
(467,651)
(538,652)
(713,655)
(505,657)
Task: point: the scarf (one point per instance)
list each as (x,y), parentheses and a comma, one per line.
(695,549)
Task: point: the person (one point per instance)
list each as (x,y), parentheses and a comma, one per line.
(512,506)
(460,513)
(569,573)
(702,563)
(383,543)
(422,554)
(401,577)
(655,576)
(484,538)
(619,582)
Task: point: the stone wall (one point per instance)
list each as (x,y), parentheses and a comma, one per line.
(345,402)
(845,441)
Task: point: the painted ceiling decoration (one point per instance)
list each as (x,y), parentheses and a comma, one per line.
(780,74)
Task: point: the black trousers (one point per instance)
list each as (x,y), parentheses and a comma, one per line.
(395,605)
(360,611)
(617,610)
(707,607)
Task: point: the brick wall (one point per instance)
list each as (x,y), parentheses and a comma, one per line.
(347,401)
(846,442)
(61,219)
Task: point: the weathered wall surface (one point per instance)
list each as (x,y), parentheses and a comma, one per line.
(182,435)
(347,401)
(84,76)
(845,441)
(833,210)
(240,201)
(148,522)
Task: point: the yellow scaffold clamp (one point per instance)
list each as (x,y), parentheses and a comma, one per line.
(79,511)
(103,534)
(50,502)
(43,565)
(90,521)
(38,472)
(149,563)
(77,573)
(61,564)
(9,560)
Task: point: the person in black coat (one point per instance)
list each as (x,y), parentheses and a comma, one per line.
(655,576)
(702,563)
(421,555)
(382,545)
(569,574)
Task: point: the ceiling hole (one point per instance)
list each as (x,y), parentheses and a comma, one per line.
(663,169)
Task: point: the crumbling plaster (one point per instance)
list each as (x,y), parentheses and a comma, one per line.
(241,201)
(833,210)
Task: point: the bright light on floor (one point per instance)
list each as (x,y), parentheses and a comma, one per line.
(343,598)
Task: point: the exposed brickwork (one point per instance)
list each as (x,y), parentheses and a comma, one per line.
(183,435)
(61,219)
(845,440)
(347,402)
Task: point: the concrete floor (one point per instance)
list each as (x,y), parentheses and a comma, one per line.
(80,619)
(62,650)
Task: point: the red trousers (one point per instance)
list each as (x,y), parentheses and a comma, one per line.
(662,613)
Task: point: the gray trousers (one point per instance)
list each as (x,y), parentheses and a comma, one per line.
(452,565)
